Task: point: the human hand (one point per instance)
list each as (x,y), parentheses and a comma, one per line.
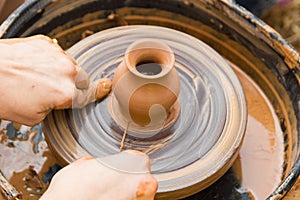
(124,176)
(36,76)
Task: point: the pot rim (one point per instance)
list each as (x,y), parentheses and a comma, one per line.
(154,48)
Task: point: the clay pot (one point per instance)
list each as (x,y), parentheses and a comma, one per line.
(146,86)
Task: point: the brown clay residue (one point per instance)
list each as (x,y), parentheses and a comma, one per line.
(22,166)
(86,33)
(3,136)
(120,20)
(29,183)
(32,179)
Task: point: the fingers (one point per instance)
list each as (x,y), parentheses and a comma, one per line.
(95,91)
(147,189)
(82,79)
(82,180)
(85,91)
(132,162)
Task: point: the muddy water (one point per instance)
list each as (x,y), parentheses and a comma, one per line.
(258,168)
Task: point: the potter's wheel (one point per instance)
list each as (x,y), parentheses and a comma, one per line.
(203,142)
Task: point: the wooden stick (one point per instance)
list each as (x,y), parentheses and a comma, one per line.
(123,139)
(8,189)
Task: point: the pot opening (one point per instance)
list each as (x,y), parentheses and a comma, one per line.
(149,68)
(149,58)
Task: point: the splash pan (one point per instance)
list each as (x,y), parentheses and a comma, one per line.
(203,142)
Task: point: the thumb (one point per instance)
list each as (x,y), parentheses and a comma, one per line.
(86,92)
